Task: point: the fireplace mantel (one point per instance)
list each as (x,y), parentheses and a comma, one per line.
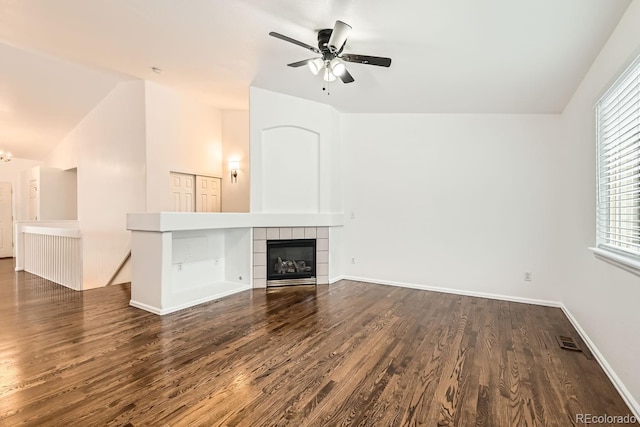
(177,221)
(181,259)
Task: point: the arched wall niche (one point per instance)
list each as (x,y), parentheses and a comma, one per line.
(290,170)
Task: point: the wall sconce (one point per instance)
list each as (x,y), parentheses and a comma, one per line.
(233,167)
(5,157)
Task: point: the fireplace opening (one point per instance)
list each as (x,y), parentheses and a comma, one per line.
(291,262)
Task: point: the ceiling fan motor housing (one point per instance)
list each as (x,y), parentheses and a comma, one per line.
(323,44)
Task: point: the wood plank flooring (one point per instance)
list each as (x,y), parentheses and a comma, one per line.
(347,354)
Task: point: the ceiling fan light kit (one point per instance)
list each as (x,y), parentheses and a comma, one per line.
(5,157)
(328,76)
(331,43)
(338,36)
(337,67)
(315,65)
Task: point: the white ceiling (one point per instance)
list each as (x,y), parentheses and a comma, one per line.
(59,58)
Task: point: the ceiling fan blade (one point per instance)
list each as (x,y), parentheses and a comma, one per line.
(346,77)
(338,36)
(294,41)
(300,63)
(365,59)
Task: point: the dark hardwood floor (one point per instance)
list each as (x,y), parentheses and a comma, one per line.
(347,354)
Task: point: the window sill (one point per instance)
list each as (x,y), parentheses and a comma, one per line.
(629,264)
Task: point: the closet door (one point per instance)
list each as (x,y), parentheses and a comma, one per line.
(207,194)
(182,192)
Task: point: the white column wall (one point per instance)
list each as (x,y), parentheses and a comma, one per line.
(291,176)
(235,147)
(269,111)
(108,148)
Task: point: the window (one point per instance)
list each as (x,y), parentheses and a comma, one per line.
(618,142)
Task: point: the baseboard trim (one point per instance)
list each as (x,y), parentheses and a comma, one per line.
(631,402)
(547,303)
(145,307)
(628,398)
(336,279)
(173,309)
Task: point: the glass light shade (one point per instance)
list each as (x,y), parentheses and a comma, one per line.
(338,36)
(5,157)
(234,165)
(337,66)
(316,65)
(328,75)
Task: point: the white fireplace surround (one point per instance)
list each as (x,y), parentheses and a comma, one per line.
(184,259)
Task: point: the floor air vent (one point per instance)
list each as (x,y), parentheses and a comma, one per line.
(568,343)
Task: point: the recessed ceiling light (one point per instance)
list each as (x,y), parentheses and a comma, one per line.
(156,70)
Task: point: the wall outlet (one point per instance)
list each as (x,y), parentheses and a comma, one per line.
(179,266)
(527,276)
(353,215)
(353,260)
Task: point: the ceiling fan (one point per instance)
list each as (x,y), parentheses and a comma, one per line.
(332,60)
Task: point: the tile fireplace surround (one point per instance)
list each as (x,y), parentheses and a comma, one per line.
(261,235)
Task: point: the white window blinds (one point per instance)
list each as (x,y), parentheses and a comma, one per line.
(618,142)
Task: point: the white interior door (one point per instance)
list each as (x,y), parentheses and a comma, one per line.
(207,194)
(33,200)
(182,192)
(6,220)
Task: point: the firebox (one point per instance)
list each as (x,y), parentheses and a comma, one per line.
(291,262)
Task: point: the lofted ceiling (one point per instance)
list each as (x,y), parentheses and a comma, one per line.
(59,58)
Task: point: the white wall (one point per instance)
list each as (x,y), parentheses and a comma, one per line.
(123,151)
(464,202)
(278,120)
(235,147)
(108,148)
(32,207)
(182,135)
(334,157)
(290,163)
(15,172)
(604,299)
(58,194)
